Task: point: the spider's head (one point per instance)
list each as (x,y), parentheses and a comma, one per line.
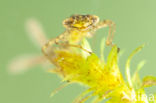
(81,22)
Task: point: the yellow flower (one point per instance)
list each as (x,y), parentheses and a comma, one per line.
(104,80)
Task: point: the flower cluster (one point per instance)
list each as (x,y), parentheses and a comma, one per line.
(103,78)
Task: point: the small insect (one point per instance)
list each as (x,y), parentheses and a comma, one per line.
(78,27)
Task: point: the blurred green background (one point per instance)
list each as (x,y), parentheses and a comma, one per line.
(136,24)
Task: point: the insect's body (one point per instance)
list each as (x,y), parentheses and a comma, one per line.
(76,36)
(79,27)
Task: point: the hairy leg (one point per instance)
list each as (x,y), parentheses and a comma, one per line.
(111,25)
(57,41)
(77,46)
(51,42)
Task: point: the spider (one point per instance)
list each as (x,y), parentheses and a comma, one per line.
(78,27)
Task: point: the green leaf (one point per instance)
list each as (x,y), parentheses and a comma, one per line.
(112,57)
(128,75)
(136,78)
(85,44)
(102,49)
(149,81)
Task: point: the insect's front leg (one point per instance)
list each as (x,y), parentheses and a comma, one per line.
(111,25)
(52,42)
(76,46)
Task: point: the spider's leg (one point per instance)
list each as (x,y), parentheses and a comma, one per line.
(50,43)
(77,46)
(111,25)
